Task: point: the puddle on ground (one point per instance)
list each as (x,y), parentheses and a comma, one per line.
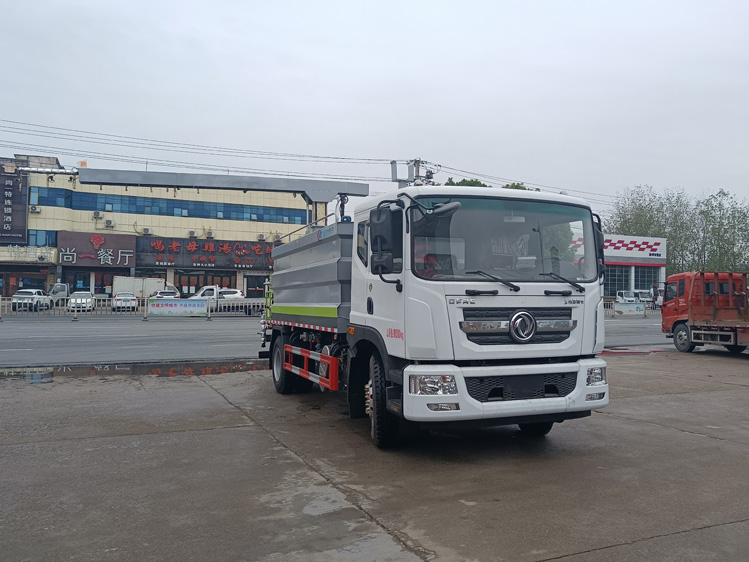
(187,369)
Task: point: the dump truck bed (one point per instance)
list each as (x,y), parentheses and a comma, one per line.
(312,279)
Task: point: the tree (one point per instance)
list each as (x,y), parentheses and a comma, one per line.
(467,182)
(705,234)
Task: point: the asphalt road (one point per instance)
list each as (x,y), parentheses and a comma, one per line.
(37,341)
(133,468)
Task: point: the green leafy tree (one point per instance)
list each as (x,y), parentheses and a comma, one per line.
(711,233)
(466,182)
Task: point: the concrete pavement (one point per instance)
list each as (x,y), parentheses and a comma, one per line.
(223,468)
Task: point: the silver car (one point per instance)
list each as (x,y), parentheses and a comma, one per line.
(81,300)
(31,299)
(124,301)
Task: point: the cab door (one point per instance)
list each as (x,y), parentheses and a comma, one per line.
(385,301)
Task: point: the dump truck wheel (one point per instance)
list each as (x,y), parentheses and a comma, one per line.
(536,429)
(682,341)
(283,380)
(384,425)
(736,348)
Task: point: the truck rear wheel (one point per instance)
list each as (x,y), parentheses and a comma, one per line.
(682,340)
(383,425)
(736,348)
(283,380)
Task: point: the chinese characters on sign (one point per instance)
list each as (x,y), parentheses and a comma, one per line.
(97,250)
(202,254)
(14,209)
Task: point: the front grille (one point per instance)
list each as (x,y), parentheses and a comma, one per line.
(491,314)
(504,315)
(520,387)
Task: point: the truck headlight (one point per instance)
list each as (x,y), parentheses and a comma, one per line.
(432,385)
(596,376)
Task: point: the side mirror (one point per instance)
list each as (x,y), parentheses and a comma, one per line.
(599,241)
(380,230)
(382,263)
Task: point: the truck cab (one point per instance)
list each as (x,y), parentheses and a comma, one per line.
(477,303)
(702,308)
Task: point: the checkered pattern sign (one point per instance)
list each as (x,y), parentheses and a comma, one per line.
(636,248)
(631,245)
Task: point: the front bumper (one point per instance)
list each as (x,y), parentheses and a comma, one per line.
(465,407)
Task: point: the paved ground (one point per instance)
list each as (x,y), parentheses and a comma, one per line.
(55,341)
(136,467)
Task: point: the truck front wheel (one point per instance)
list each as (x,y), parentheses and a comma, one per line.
(384,425)
(283,380)
(682,340)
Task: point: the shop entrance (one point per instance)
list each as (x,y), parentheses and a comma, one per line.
(188,282)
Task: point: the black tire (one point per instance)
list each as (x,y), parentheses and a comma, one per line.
(283,380)
(736,348)
(36,307)
(682,339)
(383,424)
(536,429)
(13,307)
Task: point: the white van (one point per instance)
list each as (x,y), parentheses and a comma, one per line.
(625,296)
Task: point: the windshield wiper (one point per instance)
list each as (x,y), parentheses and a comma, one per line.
(580,288)
(494,278)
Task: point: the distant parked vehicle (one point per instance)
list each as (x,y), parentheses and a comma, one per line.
(59,293)
(124,301)
(81,300)
(165,294)
(644,295)
(231,299)
(625,296)
(141,287)
(31,299)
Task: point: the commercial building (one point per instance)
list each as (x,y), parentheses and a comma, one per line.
(84,226)
(633,262)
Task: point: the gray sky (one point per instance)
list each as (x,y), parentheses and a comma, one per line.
(588,96)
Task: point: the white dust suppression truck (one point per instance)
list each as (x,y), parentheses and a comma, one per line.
(466,306)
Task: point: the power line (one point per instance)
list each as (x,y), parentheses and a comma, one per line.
(140,142)
(181,164)
(479,175)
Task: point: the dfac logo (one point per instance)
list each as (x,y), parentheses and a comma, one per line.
(522,326)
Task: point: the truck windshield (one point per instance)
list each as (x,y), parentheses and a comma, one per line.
(515,240)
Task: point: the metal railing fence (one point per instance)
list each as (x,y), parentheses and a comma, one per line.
(100,306)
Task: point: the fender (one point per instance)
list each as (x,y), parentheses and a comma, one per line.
(393,365)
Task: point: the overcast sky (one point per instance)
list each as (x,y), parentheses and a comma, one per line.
(589,97)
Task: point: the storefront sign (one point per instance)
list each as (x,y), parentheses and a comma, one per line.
(188,253)
(28,254)
(177,307)
(81,249)
(14,194)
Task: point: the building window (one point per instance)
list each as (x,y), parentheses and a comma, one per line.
(617,279)
(80,201)
(646,277)
(42,238)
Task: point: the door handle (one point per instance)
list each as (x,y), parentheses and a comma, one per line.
(370,305)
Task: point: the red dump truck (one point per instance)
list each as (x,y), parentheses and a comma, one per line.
(706,308)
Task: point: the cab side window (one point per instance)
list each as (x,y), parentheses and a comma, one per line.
(670,293)
(362,246)
(681,287)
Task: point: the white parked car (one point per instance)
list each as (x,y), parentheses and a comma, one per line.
(31,299)
(124,301)
(81,300)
